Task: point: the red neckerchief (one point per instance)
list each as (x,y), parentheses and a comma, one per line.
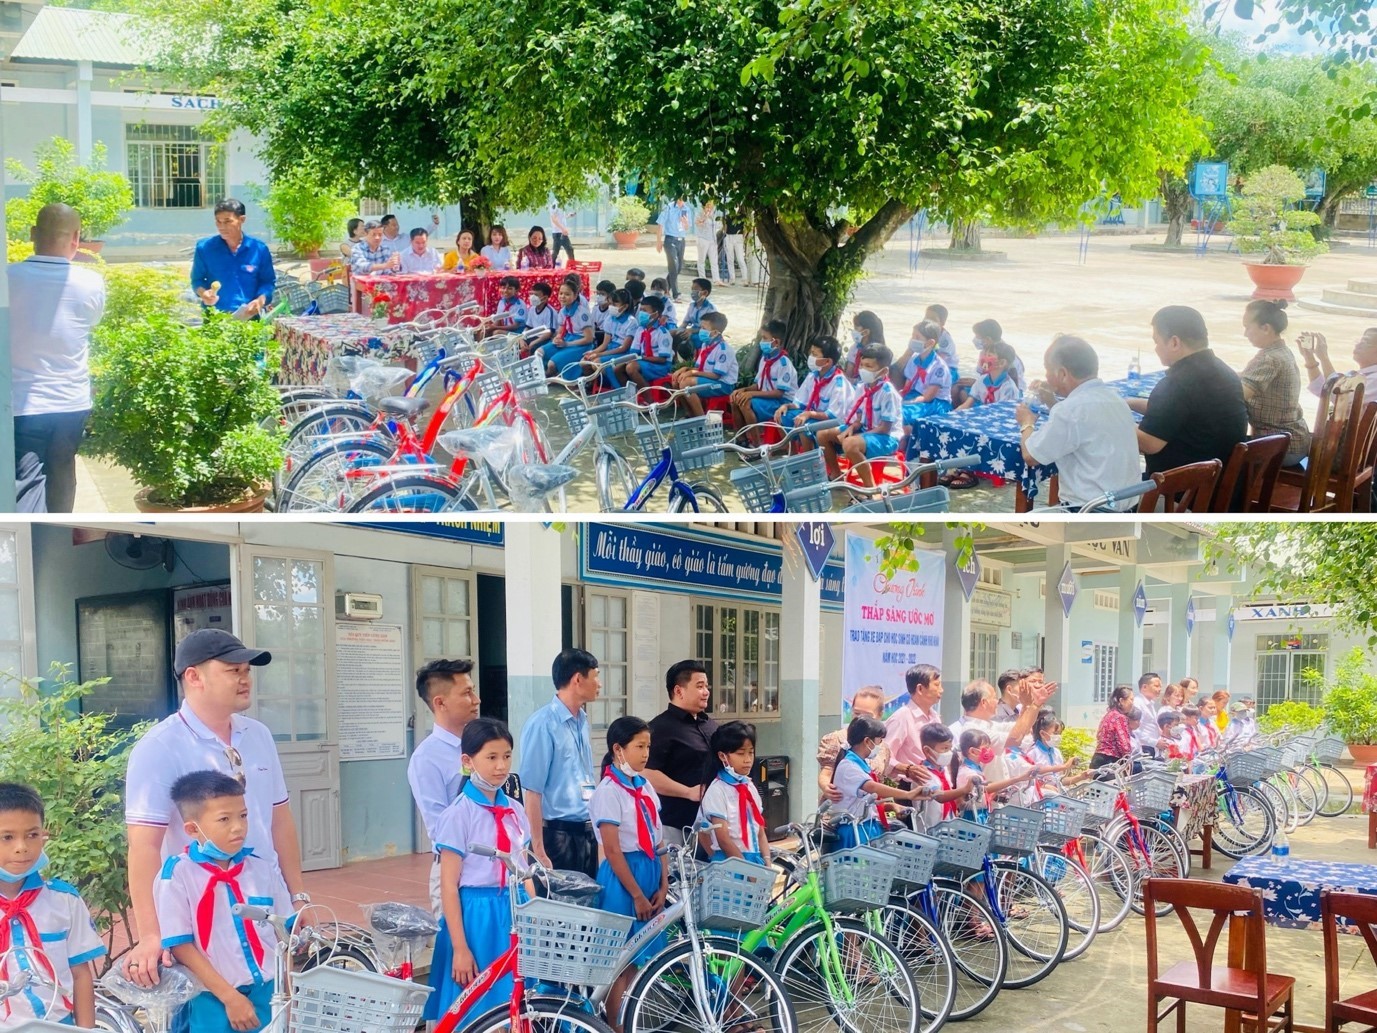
(818,384)
(765,380)
(205,909)
(646,819)
(749,810)
(645,342)
(704,352)
(990,385)
(868,398)
(504,838)
(1195,740)
(948,806)
(16,910)
(920,374)
(566,329)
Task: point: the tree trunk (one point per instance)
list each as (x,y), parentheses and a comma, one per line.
(965,235)
(477,215)
(1178,205)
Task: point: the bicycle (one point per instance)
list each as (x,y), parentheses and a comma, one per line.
(1244,822)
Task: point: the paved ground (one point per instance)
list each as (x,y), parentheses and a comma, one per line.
(1040,289)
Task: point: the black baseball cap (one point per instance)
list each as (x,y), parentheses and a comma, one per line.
(214,644)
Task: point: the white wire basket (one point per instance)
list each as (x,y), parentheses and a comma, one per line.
(683,435)
(1063,817)
(915,853)
(332,1000)
(961,846)
(802,479)
(858,878)
(569,943)
(1329,749)
(1015,830)
(613,419)
(528,378)
(1150,792)
(1099,799)
(732,894)
(332,300)
(1246,768)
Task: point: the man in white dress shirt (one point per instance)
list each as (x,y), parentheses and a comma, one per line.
(1149,689)
(420,257)
(1318,367)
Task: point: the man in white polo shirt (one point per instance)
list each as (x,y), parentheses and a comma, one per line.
(209,732)
(1089,434)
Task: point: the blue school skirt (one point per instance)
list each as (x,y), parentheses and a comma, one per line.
(566,359)
(879,445)
(924,410)
(713,388)
(205,1014)
(765,408)
(870,829)
(646,872)
(487,914)
(655,370)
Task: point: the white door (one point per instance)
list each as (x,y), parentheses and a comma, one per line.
(444,627)
(18,644)
(287,602)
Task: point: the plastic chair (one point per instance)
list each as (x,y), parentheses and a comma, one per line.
(1361,910)
(1333,455)
(1186,489)
(1242,987)
(1251,472)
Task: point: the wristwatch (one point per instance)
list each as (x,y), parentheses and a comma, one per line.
(301,898)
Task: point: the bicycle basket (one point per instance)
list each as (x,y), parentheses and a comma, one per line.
(1272,760)
(528,378)
(332,300)
(961,846)
(613,419)
(1246,768)
(925,500)
(294,292)
(732,894)
(802,479)
(916,855)
(332,1000)
(1099,799)
(486,387)
(683,435)
(1150,792)
(1014,830)
(502,353)
(1062,817)
(567,943)
(1329,749)
(857,879)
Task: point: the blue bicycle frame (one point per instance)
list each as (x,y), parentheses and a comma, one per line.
(664,469)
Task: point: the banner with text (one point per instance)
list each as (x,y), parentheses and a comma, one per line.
(890,623)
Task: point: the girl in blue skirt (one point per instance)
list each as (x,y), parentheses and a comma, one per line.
(626,814)
(477,916)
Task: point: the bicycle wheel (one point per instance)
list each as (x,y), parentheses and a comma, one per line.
(1034,921)
(928,955)
(978,946)
(848,977)
(349,958)
(1155,856)
(615,481)
(1281,814)
(1318,787)
(1078,896)
(414,493)
(706,500)
(1113,878)
(1246,827)
(1178,842)
(538,1015)
(1303,795)
(1294,812)
(113,1017)
(1340,791)
(322,483)
(742,990)
(337,418)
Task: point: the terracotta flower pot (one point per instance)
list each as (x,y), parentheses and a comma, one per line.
(1274,282)
(251,503)
(1363,755)
(626,239)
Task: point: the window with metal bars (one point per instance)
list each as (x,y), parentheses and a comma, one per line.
(740,645)
(1281,663)
(174,166)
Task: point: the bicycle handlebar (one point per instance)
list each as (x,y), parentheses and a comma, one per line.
(759,451)
(1107,500)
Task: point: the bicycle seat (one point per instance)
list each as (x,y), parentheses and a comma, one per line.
(494,442)
(538,479)
(402,921)
(572,887)
(403,407)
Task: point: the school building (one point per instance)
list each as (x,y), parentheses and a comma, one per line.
(349,611)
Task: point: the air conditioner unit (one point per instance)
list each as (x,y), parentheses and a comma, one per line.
(358,606)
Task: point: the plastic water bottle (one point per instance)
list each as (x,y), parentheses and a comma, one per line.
(1281,848)
(1135,367)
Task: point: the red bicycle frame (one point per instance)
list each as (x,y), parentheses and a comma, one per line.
(506,964)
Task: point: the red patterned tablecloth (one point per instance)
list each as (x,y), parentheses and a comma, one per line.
(1195,804)
(413,293)
(1370,790)
(309,341)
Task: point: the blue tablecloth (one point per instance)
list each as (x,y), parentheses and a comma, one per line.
(1291,891)
(1137,387)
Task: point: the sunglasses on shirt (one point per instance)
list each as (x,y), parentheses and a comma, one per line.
(237,762)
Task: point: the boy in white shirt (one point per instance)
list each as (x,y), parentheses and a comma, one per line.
(714,368)
(871,421)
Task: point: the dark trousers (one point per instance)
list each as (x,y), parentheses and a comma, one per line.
(674,261)
(561,243)
(53,439)
(571,846)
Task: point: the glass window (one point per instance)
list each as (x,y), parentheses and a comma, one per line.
(741,648)
(1106,662)
(1281,663)
(985,656)
(608,637)
(174,166)
(444,602)
(289,619)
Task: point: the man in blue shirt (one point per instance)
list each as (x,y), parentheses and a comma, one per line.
(557,767)
(671,231)
(232,270)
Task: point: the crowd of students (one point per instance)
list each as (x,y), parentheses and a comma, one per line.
(1175,723)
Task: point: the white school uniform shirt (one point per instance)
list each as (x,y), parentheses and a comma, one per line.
(848,776)
(880,403)
(426,262)
(435,772)
(831,395)
(776,373)
(546,319)
(946,348)
(67,937)
(671,313)
(572,321)
(1091,436)
(181,744)
(600,317)
(613,805)
(182,884)
(1007,390)
(720,802)
(618,329)
(720,359)
(1016,764)
(936,374)
(653,343)
(466,822)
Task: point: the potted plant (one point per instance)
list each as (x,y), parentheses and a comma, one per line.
(1274,235)
(628,221)
(303,213)
(1350,707)
(100,196)
(185,410)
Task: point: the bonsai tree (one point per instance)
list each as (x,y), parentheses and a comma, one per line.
(102,197)
(1265,224)
(1350,702)
(303,213)
(631,215)
(180,408)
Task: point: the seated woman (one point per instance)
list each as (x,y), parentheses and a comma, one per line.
(1271,380)
(463,257)
(536,254)
(354,234)
(498,254)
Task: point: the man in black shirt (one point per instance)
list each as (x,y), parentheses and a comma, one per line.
(679,751)
(1196,413)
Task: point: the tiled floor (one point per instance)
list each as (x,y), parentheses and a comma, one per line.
(403,879)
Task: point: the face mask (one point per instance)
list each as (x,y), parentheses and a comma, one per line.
(602,300)
(619,311)
(1055,740)
(214,852)
(483,784)
(814,363)
(986,755)
(624,766)
(37,866)
(943,759)
(915,345)
(868,376)
(702,336)
(731,776)
(767,348)
(643,318)
(696,295)
(977,342)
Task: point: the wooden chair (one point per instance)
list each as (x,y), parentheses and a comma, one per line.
(1326,480)
(1361,910)
(1243,987)
(1367,465)
(1186,489)
(1256,464)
